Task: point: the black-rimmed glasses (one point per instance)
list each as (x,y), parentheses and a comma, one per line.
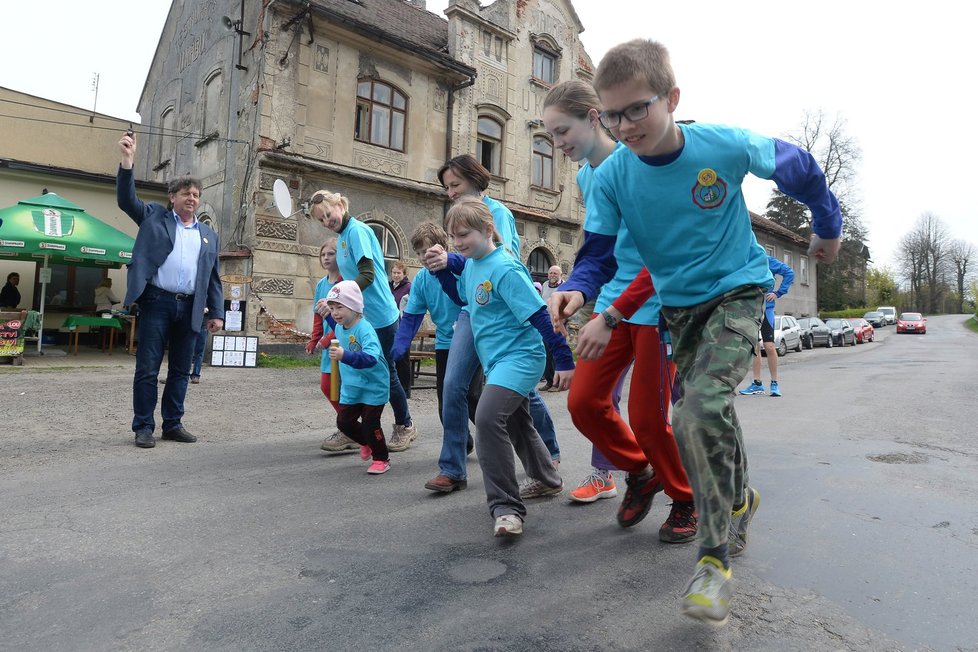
(634,113)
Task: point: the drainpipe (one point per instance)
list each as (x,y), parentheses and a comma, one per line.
(450,111)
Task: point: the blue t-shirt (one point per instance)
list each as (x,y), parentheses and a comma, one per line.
(501,298)
(688,218)
(427,296)
(370,385)
(505,225)
(322,289)
(628,259)
(358,241)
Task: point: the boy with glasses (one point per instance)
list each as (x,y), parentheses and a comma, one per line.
(677,189)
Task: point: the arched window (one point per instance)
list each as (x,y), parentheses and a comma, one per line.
(489,146)
(539,264)
(381,114)
(388,244)
(543,162)
(213,88)
(168,139)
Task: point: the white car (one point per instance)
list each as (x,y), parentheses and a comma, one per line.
(787,335)
(889,313)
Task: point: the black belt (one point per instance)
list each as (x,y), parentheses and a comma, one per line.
(179,296)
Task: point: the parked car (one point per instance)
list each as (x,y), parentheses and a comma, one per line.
(842,331)
(864,330)
(911,322)
(889,312)
(787,334)
(877,319)
(814,332)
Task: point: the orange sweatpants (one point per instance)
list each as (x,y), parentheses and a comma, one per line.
(650,438)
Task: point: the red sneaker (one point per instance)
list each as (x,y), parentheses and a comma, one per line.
(680,527)
(638,498)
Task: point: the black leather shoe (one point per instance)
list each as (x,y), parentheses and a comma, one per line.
(145,440)
(180,434)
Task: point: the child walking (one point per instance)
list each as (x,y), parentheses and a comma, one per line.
(427,296)
(320,338)
(677,189)
(364,386)
(645,447)
(508,318)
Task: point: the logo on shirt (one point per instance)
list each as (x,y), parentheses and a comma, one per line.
(482,293)
(710,190)
(354,345)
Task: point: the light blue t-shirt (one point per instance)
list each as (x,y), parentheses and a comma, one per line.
(371,385)
(501,299)
(505,225)
(358,241)
(322,289)
(427,296)
(688,218)
(626,255)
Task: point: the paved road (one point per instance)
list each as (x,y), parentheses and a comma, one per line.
(253,540)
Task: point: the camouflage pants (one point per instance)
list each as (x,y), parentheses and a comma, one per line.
(712,346)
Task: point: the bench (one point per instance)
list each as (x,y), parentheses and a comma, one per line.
(418,354)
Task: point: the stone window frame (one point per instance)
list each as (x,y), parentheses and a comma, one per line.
(365,108)
(540,181)
(161,148)
(501,117)
(210,119)
(545,48)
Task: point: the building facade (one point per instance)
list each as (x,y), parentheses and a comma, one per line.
(792,249)
(364,99)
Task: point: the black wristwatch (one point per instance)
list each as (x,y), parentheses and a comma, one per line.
(609,321)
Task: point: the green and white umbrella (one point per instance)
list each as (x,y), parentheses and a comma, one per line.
(52,229)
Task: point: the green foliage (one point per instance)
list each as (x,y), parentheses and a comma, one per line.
(844,314)
(881,287)
(972,323)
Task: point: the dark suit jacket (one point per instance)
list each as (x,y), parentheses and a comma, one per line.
(154,242)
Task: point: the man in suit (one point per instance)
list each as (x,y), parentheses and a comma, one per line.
(173,276)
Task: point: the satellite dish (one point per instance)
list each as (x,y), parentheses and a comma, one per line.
(283,198)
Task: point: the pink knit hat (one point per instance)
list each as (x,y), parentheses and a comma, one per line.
(347,293)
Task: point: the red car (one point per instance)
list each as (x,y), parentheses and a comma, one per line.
(864,330)
(911,322)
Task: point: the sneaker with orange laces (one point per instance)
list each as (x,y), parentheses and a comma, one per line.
(680,526)
(379,466)
(597,485)
(641,489)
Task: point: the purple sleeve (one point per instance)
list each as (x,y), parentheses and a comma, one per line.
(358,359)
(563,358)
(594,265)
(406,330)
(798,175)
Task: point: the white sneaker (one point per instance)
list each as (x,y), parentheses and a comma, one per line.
(401,438)
(508,525)
(338,442)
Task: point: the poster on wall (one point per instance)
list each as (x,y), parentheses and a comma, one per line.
(234,351)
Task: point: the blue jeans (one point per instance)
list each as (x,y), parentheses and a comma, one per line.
(164,323)
(200,345)
(399,404)
(463,365)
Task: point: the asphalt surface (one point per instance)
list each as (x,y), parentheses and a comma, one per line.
(253,539)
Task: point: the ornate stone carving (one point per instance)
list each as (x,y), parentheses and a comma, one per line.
(318,149)
(369,160)
(322,58)
(286,247)
(440,99)
(276,229)
(274,285)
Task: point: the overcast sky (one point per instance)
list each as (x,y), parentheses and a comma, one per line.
(900,73)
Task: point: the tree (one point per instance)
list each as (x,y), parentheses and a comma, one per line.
(924,257)
(881,285)
(962,256)
(840,285)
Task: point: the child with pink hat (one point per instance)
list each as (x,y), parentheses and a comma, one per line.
(364,387)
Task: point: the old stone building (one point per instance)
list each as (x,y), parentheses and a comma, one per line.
(792,249)
(364,99)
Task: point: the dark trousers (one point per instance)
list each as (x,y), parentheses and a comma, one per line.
(200,345)
(402,414)
(361,423)
(164,323)
(404,374)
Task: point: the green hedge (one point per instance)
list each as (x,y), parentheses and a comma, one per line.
(844,314)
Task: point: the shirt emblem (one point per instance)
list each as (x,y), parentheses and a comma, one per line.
(482,292)
(710,190)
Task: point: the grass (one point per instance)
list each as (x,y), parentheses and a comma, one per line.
(276,361)
(972,323)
